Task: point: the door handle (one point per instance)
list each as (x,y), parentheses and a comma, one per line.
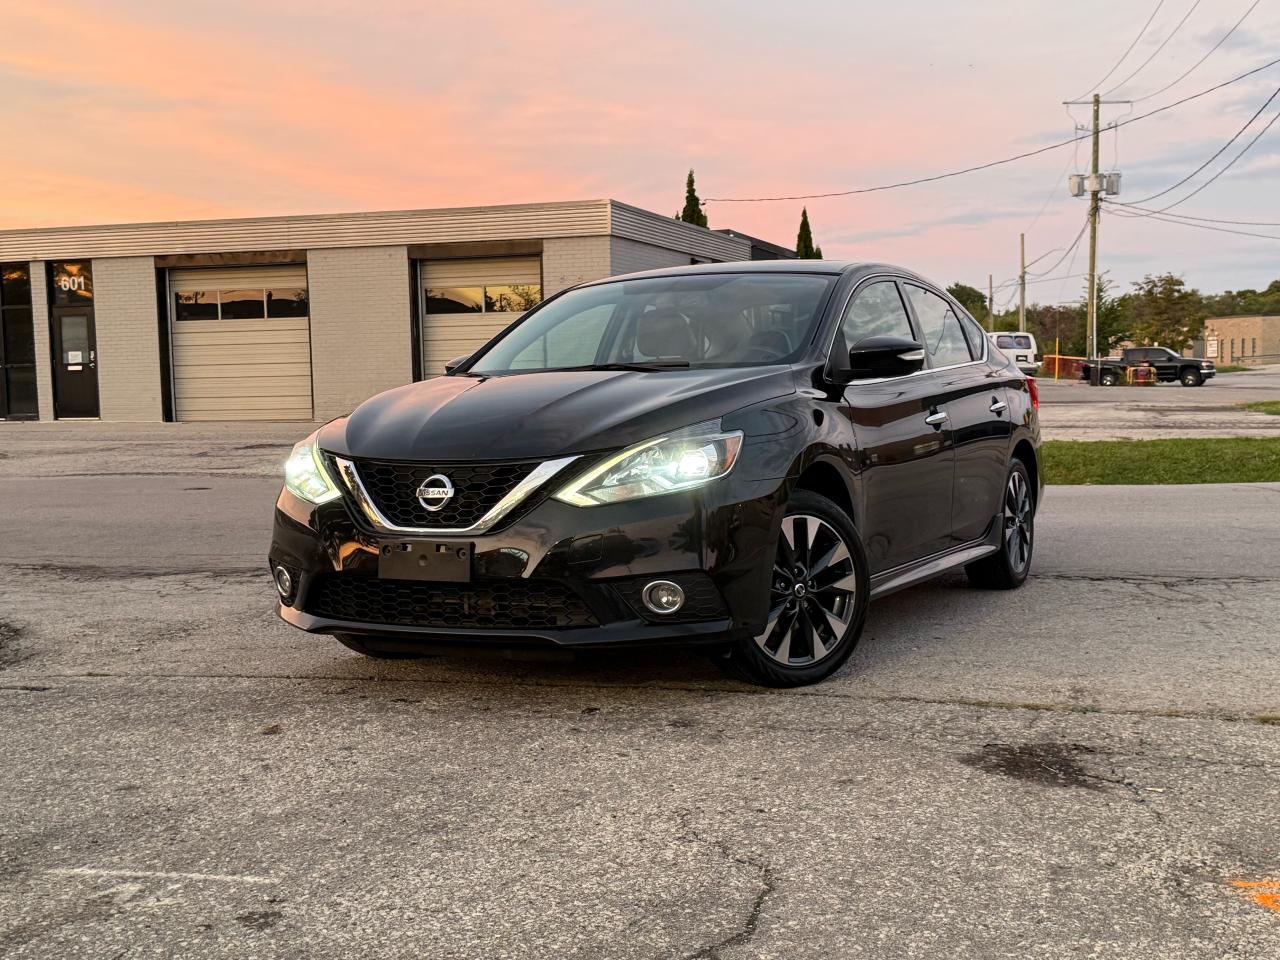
(998,406)
(936,419)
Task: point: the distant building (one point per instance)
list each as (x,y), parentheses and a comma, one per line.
(297,317)
(1243,340)
(761,249)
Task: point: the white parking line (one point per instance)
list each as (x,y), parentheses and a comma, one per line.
(159,874)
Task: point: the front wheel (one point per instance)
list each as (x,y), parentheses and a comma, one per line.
(1007,568)
(818,595)
(1191,378)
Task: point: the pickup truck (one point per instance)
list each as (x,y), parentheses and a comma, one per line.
(1169,366)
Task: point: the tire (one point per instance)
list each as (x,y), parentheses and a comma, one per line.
(1190,377)
(817,601)
(1108,378)
(372,647)
(1007,568)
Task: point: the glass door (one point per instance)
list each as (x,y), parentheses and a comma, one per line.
(17,344)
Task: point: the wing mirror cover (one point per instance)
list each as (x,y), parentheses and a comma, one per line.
(885,356)
(455,363)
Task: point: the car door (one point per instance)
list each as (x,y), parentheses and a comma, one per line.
(972,394)
(904,450)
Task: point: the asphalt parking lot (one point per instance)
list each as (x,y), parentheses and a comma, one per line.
(1071,410)
(1087,767)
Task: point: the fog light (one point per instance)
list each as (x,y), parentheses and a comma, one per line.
(284,582)
(663,596)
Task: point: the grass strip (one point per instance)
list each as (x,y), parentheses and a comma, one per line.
(1264,406)
(1212,460)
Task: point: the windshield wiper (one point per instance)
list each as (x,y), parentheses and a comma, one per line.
(659,363)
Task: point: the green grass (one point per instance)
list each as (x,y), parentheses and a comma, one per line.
(1233,368)
(1217,460)
(1264,406)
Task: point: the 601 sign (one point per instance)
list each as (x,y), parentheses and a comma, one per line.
(72,282)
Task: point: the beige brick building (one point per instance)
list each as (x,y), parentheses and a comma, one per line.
(283,318)
(1242,340)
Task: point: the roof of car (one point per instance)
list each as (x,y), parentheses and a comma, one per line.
(827,267)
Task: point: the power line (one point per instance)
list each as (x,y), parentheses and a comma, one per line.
(1190,70)
(1230,164)
(1128,50)
(1157,50)
(1074,243)
(1186,223)
(1220,151)
(1185,216)
(993,163)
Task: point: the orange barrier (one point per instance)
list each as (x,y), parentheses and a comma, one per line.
(1143,376)
(1060,367)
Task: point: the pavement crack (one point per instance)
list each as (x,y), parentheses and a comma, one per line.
(768,886)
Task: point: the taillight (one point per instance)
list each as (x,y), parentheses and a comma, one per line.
(1035,393)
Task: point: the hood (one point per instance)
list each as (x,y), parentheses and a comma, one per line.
(543,415)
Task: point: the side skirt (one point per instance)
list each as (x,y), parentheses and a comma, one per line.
(909,574)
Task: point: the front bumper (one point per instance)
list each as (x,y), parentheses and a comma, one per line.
(717,542)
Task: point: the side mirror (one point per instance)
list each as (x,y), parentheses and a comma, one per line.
(455,363)
(877,357)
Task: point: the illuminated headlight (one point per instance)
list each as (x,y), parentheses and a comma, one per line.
(305,475)
(682,460)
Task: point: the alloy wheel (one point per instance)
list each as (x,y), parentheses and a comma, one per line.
(813,594)
(1017,521)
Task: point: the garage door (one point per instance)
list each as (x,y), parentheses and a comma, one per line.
(241,343)
(466,302)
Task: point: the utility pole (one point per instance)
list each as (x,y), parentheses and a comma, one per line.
(1097,184)
(1095,204)
(1022,283)
(991,303)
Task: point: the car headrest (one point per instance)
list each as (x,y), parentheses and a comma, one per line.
(665,333)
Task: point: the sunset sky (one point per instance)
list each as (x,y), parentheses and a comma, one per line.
(131,111)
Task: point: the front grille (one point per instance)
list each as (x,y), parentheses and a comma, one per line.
(702,600)
(496,604)
(478,487)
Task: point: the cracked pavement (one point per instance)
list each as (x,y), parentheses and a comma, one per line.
(1084,767)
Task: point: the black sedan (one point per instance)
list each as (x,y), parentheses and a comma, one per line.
(735,455)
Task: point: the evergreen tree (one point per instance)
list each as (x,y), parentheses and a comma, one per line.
(805,250)
(692,212)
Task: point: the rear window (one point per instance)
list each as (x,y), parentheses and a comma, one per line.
(1004,342)
(1007,341)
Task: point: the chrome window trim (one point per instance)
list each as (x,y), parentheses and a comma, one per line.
(517,495)
(865,281)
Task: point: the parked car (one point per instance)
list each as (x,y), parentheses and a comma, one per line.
(735,455)
(1169,366)
(1019,347)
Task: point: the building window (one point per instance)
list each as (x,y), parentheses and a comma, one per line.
(288,303)
(1253,349)
(493,298)
(240,304)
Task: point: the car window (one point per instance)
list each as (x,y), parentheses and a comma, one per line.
(944,338)
(570,344)
(974,333)
(1004,342)
(704,320)
(876,311)
(1022,343)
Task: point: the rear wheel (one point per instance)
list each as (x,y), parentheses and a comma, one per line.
(1109,378)
(1008,567)
(818,597)
(1191,377)
(372,647)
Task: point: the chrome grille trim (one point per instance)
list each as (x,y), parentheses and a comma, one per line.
(355,486)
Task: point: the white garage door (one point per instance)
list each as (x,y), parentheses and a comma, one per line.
(241,343)
(466,302)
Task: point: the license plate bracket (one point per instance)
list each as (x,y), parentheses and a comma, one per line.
(426,560)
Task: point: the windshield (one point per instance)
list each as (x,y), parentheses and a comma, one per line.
(692,320)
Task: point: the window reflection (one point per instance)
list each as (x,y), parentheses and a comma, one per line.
(288,303)
(242,304)
(454,300)
(196,305)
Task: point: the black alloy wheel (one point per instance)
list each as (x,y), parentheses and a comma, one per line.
(818,594)
(1008,567)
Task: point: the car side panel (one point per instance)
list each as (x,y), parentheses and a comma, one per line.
(982,439)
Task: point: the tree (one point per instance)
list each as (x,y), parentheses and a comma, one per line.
(1163,311)
(971,298)
(692,212)
(805,250)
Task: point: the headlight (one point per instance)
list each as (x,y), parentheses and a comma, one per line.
(305,475)
(682,460)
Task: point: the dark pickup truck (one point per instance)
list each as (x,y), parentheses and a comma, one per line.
(1169,366)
